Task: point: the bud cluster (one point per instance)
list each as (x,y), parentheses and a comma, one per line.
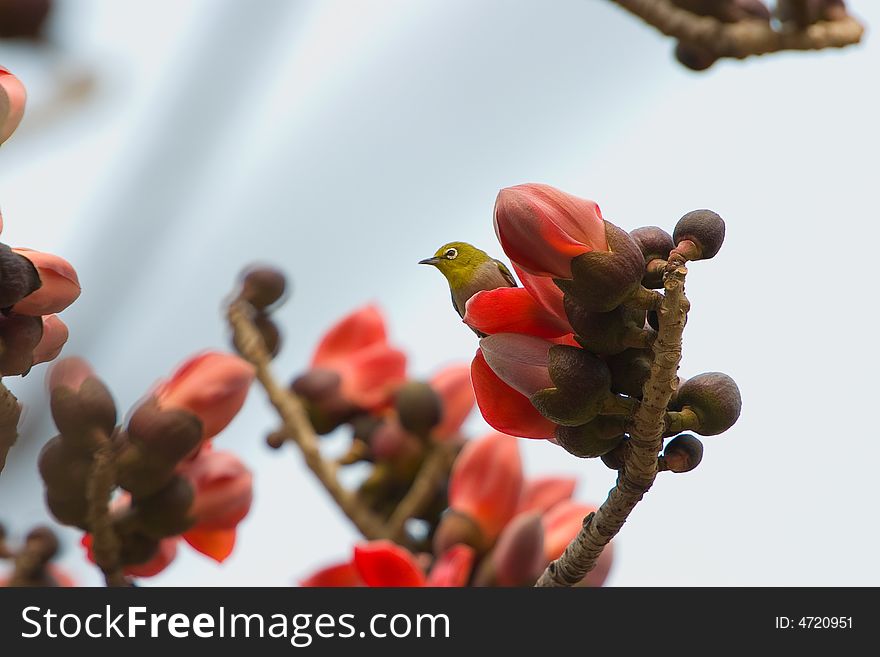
(170,481)
(32,561)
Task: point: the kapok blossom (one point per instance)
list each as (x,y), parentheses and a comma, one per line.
(453,386)
(59,284)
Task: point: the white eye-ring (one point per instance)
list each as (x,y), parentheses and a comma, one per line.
(451,254)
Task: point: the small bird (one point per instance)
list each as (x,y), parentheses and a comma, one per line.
(469,270)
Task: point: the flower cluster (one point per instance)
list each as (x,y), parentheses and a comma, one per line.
(566,356)
(499,529)
(168,480)
(33,285)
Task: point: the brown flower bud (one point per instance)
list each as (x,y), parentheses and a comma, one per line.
(583,382)
(630,370)
(262,286)
(419,408)
(42,543)
(614,458)
(704,230)
(606,333)
(694,57)
(593,439)
(655,244)
(683,453)
(518,557)
(23,19)
(320,390)
(457,528)
(166,435)
(135,548)
(80,413)
(269,332)
(715,400)
(19,336)
(167,512)
(602,280)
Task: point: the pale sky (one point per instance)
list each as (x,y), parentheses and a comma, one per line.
(343,141)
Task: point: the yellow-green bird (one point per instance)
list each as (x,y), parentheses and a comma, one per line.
(469,270)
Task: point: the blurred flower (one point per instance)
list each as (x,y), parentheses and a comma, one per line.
(453,385)
(561,525)
(544,493)
(223,489)
(215,543)
(377,563)
(60,284)
(542,228)
(339,575)
(518,557)
(357,349)
(486,482)
(212,386)
(164,555)
(55,335)
(453,567)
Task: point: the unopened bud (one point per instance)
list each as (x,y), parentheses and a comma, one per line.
(683,453)
(714,398)
(419,408)
(699,234)
(262,286)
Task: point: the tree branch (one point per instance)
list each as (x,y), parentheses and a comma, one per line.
(105,541)
(639,469)
(744,38)
(434,469)
(297,427)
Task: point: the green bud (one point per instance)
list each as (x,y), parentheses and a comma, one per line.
(593,439)
(714,398)
(582,385)
(602,280)
(655,244)
(683,453)
(419,408)
(704,229)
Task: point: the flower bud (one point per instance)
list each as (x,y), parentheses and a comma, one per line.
(223,489)
(610,332)
(596,438)
(518,557)
(269,332)
(458,529)
(582,382)
(418,407)
(542,228)
(19,276)
(615,458)
(699,234)
(714,398)
(160,555)
(486,482)
(321,391)
(23,19)
(19,336)
(167,512)
(262,286)
(630,370)
(167,436)
(655,244)
(80,404)
(59,288)
(55,335)
(212,386)
(605,279)
(42,543)
(683,453)
(12,102)
(65,472)
(694,57)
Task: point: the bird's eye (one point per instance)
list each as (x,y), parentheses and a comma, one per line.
(451,254)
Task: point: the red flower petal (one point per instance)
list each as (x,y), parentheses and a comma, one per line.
(340,575)
(360,329)
(521,361)
(215,543)
(512,310)
(12,101)
(370,376)
(453,384)
(386,564)
(545,293)
(486,482)
(546,492)
(561,524)
(453,568)
(503,407)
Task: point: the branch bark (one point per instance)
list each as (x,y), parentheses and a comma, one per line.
(297,426)
(646,440)
(105,541)
(745,38)
(434,469)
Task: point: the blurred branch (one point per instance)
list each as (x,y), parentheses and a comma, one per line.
(105,542)
(435,469)
(297,427)
(640,462)
(744,38)
(10,411)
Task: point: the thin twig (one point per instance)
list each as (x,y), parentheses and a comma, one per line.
(297,426)
(10,411)
(646,440)
(434,469)
(105,541)
(744,38)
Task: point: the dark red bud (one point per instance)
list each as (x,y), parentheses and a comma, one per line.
(705,229)
(262,286)
(269,332)
(683,453)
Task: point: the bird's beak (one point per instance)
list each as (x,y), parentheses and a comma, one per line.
(430,261)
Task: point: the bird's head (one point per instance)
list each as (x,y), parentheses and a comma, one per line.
(457,261)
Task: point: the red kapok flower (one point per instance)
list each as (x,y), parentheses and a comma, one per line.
(212,386)
(453,567)
(453,385)
(521,361)
(215,543)
(339,575)
(55,335)
(542,228)
(357,349)
(544,493)
(386,564)
(159,562)
(486,482)
(60,284)
(504,408)
(12,102)
(512,310)
(223,489)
